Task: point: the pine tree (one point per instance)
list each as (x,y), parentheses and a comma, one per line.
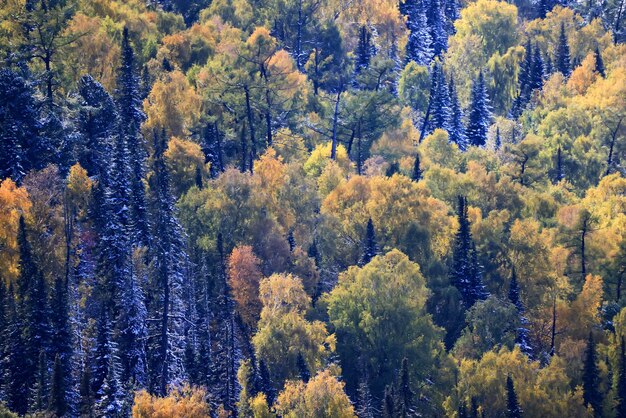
(365,51)
(303,369)
(537,70)
(457,129)
(522,336)
(440,113)
(498,141)
(563,60)
(364,405)
(86,404)
(58,389)
(524,81)
(131,117)
(466,273)
(452,12)
(22,147)
(591,378)
(437,24)
(479,117)
(513,409)
(16,365)
(33,308)
(110,402)
(170,263)
(543,7)
(599,63)
(389,403)
(416,175)
(370,245)
(620,392)
(418,47)
(61,348)
(405,395)
(97,122)
(132,334)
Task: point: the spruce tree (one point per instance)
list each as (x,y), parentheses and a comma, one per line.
(479,117)
(591,378)
(97,120)
(416,175)
(599,62)
(58,388)
(365,51)
(370,245)
(22,147)
(537,70)
(418,47)
(452,11)
(513,409)
(498,141)
(457,129)
(132,334)
(620,391)
(170,263)
(440,112)
(389,403)
(405,406)
(524,81)
(17,367)
(364,405)
(522,335)
(562,59)
(437,24)
(131,117)
(466,272)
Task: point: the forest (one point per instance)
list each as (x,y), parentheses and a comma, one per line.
(312,208)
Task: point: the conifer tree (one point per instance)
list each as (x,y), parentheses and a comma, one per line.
(437,24)
(17,372)
(21,145)
(591,378)
(562,59)
(96,125)
(58,389)
(132,334)
(537,70)
(599,62)
(479,117)
(131,117)
(418,47)
(498,141)
(513,409)
(452,12)
(522,336)
(364,405)
(440,112)
(389,403)
(416,175)
(170,263)
(524,81)
(370,245)
(620,391)
(405,394)
(466,273)
(457,129)
(365,51)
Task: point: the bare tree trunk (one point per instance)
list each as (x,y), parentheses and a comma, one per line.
(333,150)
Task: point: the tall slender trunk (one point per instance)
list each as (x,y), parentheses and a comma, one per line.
(165,336)
(250,120)
(553,331)
(609,160)
(333,150)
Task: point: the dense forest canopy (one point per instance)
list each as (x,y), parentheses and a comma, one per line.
(312,208)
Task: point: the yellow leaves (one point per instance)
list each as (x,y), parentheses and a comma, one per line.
(185,161)
(584,75)
(322,397)
(183,402)
(172,105)
(79,187)
(14,202)
(320,157)
(281,294)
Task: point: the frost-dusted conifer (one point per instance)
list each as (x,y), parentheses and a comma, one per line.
(365,51)
(479,117)
(21,145)
(16,364)
(418,47)
(537,71)
(456,133)
(466,272)
(131,117)
(170,261)
(437,24)
(440,111)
